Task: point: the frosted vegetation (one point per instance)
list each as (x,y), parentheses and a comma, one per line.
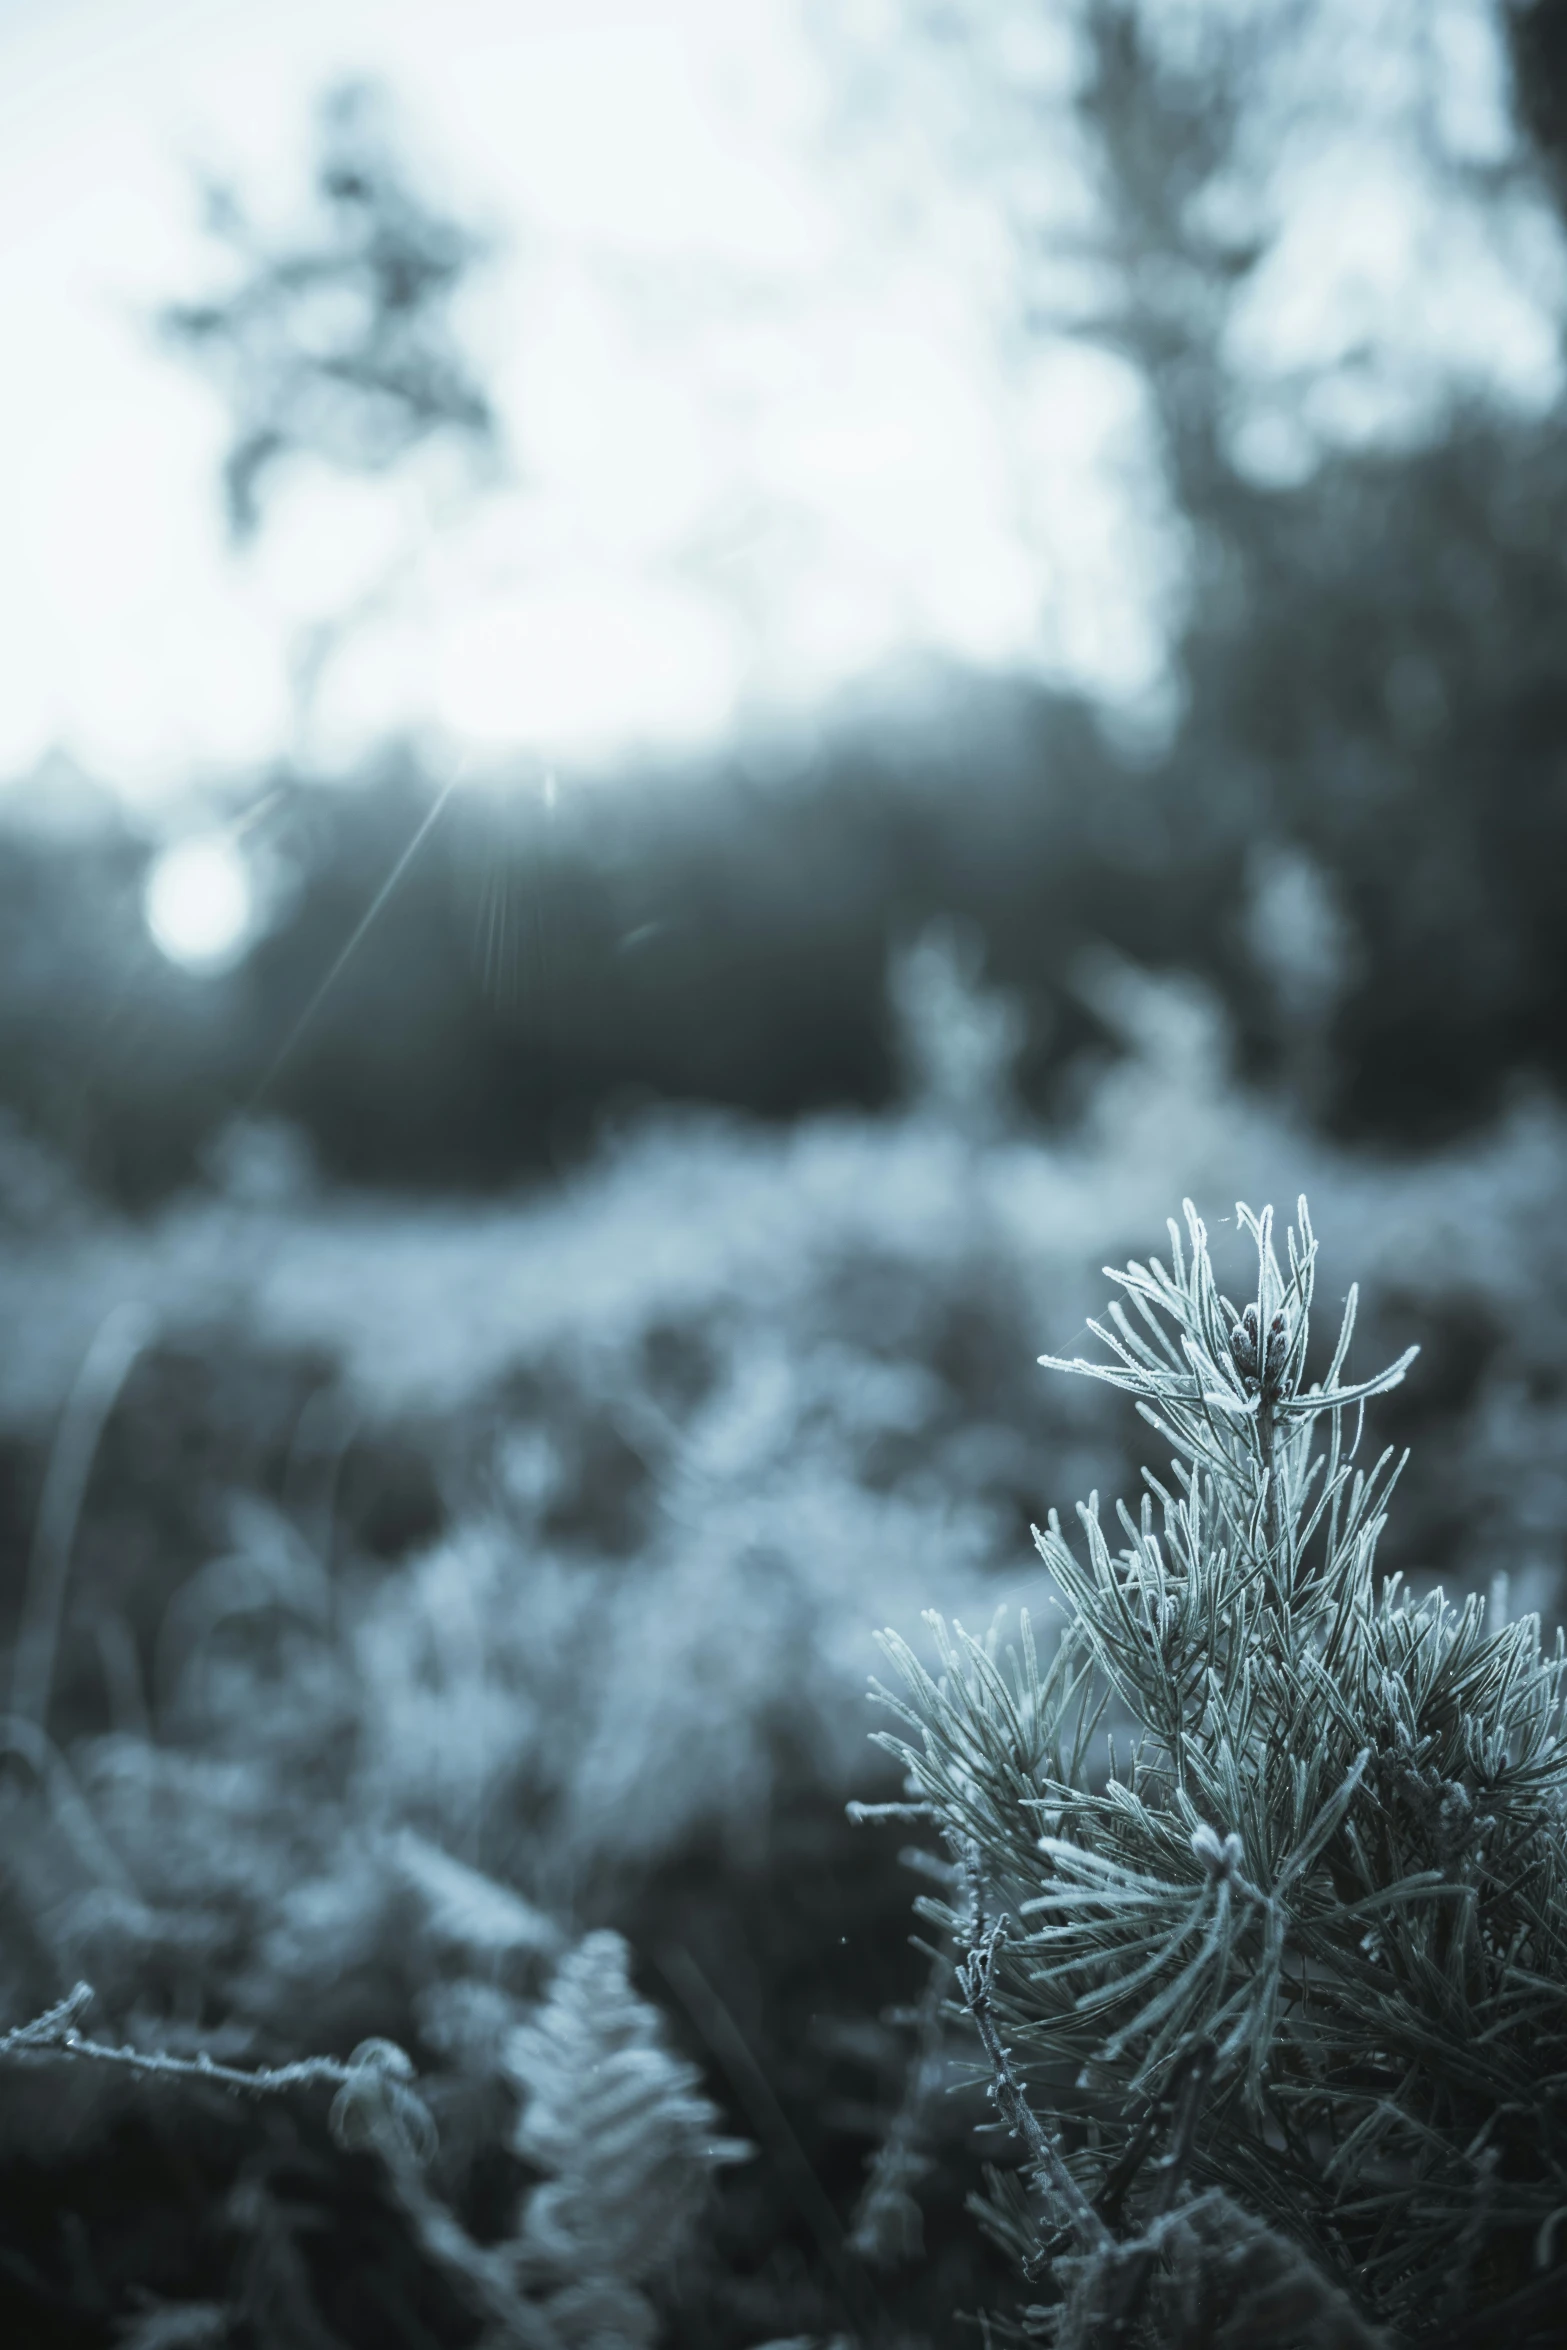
(450,1629)
(1300,1925)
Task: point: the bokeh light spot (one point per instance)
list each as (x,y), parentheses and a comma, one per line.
(200,905)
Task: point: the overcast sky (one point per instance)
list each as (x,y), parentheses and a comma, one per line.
(767,426)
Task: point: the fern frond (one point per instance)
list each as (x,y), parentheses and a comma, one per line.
(627,2141)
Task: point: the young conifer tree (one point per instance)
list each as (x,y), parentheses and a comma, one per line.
(1260,1882)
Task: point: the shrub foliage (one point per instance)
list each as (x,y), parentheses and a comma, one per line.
(1270,1979)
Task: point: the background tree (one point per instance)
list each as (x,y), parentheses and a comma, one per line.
(338,343)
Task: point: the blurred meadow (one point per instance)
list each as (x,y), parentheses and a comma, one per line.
(694,703)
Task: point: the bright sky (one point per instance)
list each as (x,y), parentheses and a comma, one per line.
(767,426)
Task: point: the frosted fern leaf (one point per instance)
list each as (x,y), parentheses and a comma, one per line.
(628,2142)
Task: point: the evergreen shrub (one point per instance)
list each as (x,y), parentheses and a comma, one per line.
(1257,1880)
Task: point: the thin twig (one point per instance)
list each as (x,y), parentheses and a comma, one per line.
(55,2033)
(975,1976)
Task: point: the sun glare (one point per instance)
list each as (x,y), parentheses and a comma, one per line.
(199,903)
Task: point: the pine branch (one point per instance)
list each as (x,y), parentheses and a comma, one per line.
(975,1977)
(1314,1908)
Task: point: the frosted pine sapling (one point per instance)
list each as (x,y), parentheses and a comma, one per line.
(1265,1936)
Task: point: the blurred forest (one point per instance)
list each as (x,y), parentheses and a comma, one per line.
(468,1404)
(1352,834)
